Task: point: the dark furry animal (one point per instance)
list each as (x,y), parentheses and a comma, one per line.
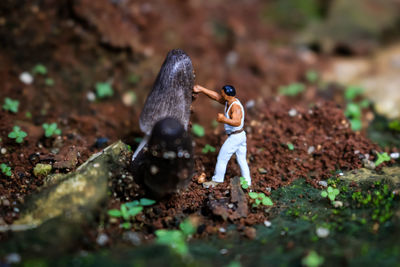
(171,95)
(163,162)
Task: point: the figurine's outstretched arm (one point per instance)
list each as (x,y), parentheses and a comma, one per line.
(210,93)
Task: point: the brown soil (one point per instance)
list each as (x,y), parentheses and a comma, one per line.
(69,41)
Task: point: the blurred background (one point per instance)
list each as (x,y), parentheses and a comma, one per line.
(258,46)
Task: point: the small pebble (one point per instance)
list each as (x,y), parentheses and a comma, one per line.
(102,239)
(129,98)
(91,96)
(132,237)
(357,152)
(250,104)
(322,232)
(292,112)
(268,189)
(323,183)
(341,173)
(16,210)
(337,204)
(223,251)
(26,78)
(311,149)
(13,258)
(222,230)
(267,223)
(6,202)
(230,205)
(368,164)
(395,155)
(262,171)
(3,151)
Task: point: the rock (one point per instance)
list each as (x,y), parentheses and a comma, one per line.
(91,96)
(395,155)
(102,239)
(262,171)
(76,194)
(129,98)
(13,258)
(368,164)
(238,197)
(311,150)
(322,232)
(42,170)
(3,150)
(26,78)
(323,183)
(292,112)
(337,204)
(132,237)
(67,158)
(250,232)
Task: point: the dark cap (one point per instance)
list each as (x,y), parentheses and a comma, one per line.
(229,90)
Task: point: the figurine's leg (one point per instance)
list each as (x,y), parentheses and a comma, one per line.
(241,160)
(228,148)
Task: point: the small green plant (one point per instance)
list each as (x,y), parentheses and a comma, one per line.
(382,157)
(394,125)
(39,69)
(331,193)
(133,79)
(11,105)
(6,170)
(208,148)
(28,115)
(292,89)
(49,82)
(352,92)
(176,239)
(198,130)
(312,76)
(104,90)
(51,129)
(244,183)
(260,198)
(290,146)
(312,260)
(129,210)
(17,134)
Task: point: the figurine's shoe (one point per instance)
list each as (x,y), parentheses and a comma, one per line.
(211,184)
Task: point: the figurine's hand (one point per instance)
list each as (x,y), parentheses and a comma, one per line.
(197,89)
(220,117)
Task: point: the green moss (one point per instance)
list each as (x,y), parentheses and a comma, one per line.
(42,170)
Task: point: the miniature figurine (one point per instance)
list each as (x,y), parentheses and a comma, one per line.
(233,121)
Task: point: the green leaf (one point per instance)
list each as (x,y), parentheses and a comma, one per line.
(352,92)
(356,124)
(40,69)
(330,189)
(172,238)
(394,125)
(135,211)
(311,76)
(124,212)
(12,135)
(187,227)
(290,146)
(324,194)
(267,201)
(147,202)
(104,90)
(126,225)
(336,192)
(292,89)
(114,213)
(382,157)
(312,260)
(257,201)
(198,130)
(49,82)
(253,195)
(132,204)
(353,111)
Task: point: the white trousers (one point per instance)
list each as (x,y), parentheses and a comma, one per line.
(235,143)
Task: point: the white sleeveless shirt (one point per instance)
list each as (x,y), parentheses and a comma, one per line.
(228,128)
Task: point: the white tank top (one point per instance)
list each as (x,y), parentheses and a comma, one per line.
(228,128)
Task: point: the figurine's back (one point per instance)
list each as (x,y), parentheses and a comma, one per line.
(171,95)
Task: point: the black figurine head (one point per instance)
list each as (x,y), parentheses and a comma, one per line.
(229,90)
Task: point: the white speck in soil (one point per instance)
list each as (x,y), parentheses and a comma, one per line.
(311,149)
(102,239)
(250,104)
(223,251)
(323,183)
(222,230)
(268,189)
(26,78)
(322,232)
(395,155)
(292,112)
(3,151)
(91,96)
(153,169)
(132,238)
(96,165)
(13,258)
(267,223)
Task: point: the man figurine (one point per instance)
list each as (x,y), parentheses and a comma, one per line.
(233,121)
